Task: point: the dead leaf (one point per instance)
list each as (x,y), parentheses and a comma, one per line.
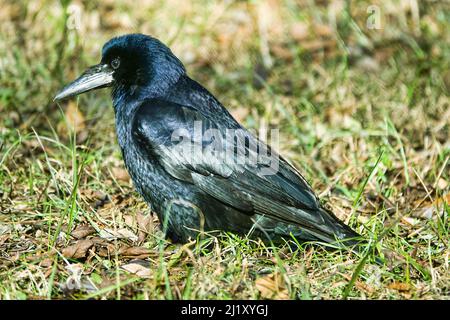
(299,31)
(445,198)
(430,209)
(393,259)
(442,184)
(123,233)
(368,64)
(74,120)
(130,221)
(315,45)
(82,231)
(323,30)
(73,282)
(137,269)
(282,52)
(272,287)
(410,221)
(399,286)
(95,197)
(76,282)
(359,285)
(120,174)
(145,225)
(135,252)
(78,250)
(46,263)
(4,229)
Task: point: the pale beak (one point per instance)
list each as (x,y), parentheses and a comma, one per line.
(98,76)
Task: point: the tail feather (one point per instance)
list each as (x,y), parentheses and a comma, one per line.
(338,232)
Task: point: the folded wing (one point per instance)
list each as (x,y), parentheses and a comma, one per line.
(233,167)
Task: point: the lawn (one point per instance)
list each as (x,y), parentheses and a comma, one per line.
(359,91)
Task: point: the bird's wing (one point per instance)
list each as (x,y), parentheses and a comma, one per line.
(178,136)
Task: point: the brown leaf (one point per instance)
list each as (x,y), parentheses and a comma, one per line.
(78,250)
(393,258)
(93,195)
(399,286)
(282,52)
(360,285)
(130,221)
(120,174)
(46,263)
(74,120)
(104,252)
(137,269)
(124,233)
(429,209)
(315,45)
(445,198)
(145,225)
(272,287)
(82,231)
(135,252)
(323,30)
(299,31)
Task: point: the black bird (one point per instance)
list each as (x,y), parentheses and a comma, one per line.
(158,109)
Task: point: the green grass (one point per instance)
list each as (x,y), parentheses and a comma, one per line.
(364,114)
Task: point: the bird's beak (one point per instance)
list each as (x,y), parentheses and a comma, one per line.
(98,76)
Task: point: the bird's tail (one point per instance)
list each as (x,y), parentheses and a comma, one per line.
(338,233)
(344,236)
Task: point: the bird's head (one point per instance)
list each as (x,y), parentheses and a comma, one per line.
(134,65)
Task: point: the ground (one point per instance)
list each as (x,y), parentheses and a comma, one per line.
(359,92)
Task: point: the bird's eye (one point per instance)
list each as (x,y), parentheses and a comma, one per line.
(115,63)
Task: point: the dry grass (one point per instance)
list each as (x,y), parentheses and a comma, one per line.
(342,95)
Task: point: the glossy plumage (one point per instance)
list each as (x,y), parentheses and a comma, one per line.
(152,98)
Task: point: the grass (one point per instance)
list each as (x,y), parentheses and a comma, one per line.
(363,113)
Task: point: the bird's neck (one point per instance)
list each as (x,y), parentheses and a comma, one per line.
(127,98)
(152,81)
(124,114)
(125,94)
